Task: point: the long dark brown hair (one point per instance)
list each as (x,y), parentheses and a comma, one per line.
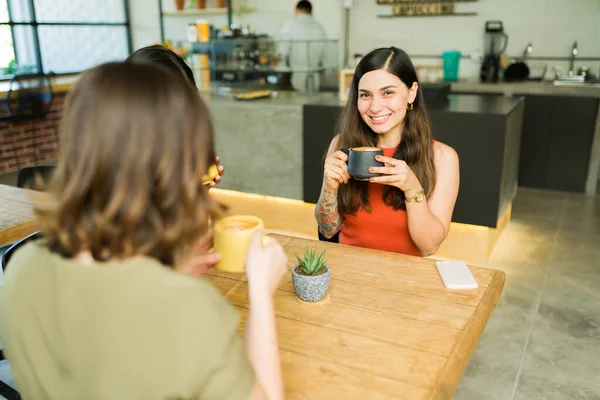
(160,55)
(415,148)
(134,140)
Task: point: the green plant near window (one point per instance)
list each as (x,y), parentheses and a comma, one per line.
(10,69)
(13,68)
(311,264)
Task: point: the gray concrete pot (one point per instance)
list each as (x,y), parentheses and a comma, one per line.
(310,288)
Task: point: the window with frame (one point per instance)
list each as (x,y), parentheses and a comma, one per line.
(62,36)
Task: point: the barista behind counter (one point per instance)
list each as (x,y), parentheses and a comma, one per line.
(304,27)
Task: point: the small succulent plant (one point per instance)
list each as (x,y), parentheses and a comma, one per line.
(311,264)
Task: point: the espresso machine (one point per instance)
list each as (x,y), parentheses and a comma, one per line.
(495,44)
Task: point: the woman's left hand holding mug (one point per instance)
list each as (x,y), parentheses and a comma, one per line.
(398,174)
(199,259)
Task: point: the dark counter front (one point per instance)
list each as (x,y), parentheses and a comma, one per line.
(560,142)
(485,131)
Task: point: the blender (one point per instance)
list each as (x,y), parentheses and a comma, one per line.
(495,42)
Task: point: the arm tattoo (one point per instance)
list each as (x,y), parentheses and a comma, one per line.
(328,216)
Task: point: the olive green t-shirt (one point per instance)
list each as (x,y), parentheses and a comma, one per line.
(128,329)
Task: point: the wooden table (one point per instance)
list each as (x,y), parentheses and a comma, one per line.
(390,329)
(16,214)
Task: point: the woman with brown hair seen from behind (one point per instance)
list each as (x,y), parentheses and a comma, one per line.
(101,307)
(408,208)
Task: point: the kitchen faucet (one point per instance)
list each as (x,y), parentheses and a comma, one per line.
(574,52)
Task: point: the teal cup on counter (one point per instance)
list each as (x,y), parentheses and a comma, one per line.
(451,61)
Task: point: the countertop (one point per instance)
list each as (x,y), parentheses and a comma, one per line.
(529,87)
(64,83)
(280,98)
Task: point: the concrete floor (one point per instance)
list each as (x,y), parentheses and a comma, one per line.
(543,339)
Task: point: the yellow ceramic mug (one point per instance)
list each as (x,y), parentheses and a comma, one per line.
(232,236)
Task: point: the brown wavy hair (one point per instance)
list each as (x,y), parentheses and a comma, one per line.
(415,148)
(134,145)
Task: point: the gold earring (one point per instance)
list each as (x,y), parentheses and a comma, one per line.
(409,107)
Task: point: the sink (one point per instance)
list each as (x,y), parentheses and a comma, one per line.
(570,79)
(576,80)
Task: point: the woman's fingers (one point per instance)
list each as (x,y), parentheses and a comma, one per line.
(340,155)
(389,179)
(204,243)
(342,173)
(389,160)
(198,265)
(337,174)
(384,170)
(334,163)
(386,179)
(339,163)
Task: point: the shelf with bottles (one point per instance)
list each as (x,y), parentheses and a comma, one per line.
(195,12)
(456,14)
(264,68)
(390,2)
(265,54)
(424,8)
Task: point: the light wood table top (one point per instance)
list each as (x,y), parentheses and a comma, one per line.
(16,214)
(390,329)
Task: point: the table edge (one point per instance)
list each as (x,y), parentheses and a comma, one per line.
(18,231)
(461,354)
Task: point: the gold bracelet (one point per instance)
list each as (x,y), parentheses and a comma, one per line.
(419,197)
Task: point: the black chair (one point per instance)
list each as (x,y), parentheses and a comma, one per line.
(334,239)
(35,177)
(7,252)
(28,99)
(11,248)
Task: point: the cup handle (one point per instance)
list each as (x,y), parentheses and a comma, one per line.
(345,151)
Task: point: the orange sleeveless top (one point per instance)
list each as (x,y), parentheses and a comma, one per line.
(382,228)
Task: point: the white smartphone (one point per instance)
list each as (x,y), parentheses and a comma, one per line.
(456,275)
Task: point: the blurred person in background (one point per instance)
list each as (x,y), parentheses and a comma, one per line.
(299,54)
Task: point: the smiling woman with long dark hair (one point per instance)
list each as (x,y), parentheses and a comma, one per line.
(409,207)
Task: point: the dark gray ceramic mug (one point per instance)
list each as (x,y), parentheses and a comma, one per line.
(360,159)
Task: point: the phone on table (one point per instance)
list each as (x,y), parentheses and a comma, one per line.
(456,275)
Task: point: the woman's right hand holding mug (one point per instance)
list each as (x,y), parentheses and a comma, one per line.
(266,265)
(336,170)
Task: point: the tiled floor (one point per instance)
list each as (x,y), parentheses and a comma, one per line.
(543,339)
